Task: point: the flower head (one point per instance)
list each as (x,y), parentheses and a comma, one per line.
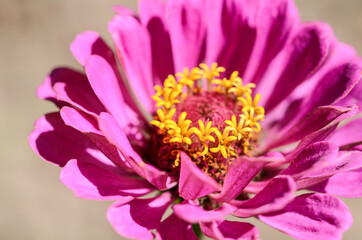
(219,108)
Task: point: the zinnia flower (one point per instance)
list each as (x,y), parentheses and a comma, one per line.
(218,108)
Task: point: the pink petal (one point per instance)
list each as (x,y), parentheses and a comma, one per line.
(312,216)
(193,182)
(195,214)
(274,196)
(348,134)
(317,119)
(240,172)
(276,22)
(231,33)
(46,91)
(90,43)
(176,229)
(92,182)
(312,157)
(230,230)
(331,88)
(187,28)
(345,161)
(134,51)
(314,137)
(136,218)
(153,17)
(89,127)
(73,87)
(57,143)
(345,184)
(105,84)
(117,136)
(301,58)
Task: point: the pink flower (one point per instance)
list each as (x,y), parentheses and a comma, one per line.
(197,140)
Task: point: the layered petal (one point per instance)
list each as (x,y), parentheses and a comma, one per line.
(315,156)
(194,214)
(153,17)
(187,27)
(345,184)
(117,136)
(231,33)
(175,228)
(230,230)
(90,43)
(73,88)
(193,182)
(304,55)
(240,172)
(57,143)
(134,51)
(274,196)
(312,216)
(348,135)
(92,182)
(317,119)
(136,218)
(275,23)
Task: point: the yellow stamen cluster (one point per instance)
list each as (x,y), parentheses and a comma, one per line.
(207,141)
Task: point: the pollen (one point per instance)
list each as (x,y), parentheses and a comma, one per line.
(212,126)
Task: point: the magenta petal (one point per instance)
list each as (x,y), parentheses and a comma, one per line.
(231,33)
(193,182)
(314,156)
(106,86)
(91,182)
(346,184)
(312,216)
(274,196)
(153,17)
(117,136)
(46,91)
(348,134)
(90,43)
(57,143)
(136,218)
(240,172)
(304,55)
(230,230)
(73,87)
(317,119)
(195,214)
(175,229)
(276,22)
(333,86)
(187,28)
(89,127)
(134,51)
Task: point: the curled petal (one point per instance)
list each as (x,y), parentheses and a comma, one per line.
(312,216)
(274,196)
(230,230)
(176,229)
(193,182)
(135,218)
(92,182)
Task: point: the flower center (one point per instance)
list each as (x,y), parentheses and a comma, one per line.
(212,126)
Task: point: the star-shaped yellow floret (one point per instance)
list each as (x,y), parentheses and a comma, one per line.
(224,143)
(204,134)
(187,78)
(179,132)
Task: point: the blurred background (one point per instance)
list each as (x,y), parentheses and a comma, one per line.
(34,38)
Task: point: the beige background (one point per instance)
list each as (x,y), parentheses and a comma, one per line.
(34,38)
